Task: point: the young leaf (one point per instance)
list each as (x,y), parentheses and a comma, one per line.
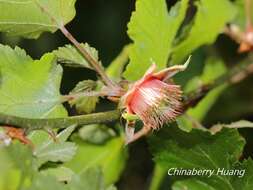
(29,88)
(153,30)
(206,23)
(25,17)
(85,104)
(71,56)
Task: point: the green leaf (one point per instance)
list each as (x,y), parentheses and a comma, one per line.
(71,56)
(213,69)
(96,134)
(116,68)
(16,166)
(153,30)
(25,18)
(242,182)
(46,182)
(90,179)
(245,182)
(56,151)
(111,157)
(29,88)
(207,26)
(61,173)
(240,18)
(85,104)
(192,184)
(173,148)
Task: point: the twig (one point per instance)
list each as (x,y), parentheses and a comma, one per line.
(82,94)
(235,75)
(248,13)
(35,124)
(81,49)
(89,58)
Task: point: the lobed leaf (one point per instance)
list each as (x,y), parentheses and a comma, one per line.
(153,30)
(29,88)
(25,17)
(173,148)
(206,27)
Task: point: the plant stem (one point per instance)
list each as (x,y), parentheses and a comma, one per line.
(248,13)
(158,175)
(98,68)
(235,75)
(82,94)
(35,124)
(89,58)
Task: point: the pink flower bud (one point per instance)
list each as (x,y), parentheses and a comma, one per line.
(153,100)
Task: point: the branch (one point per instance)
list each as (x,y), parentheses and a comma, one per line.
(89,58)
(81,49)
(235,75)
(35,124)
(248,7)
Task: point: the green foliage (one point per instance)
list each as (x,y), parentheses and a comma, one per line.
(206,27)
(199,150)
(234,182)
(57,150)
(96,134)
(116,68)
(85,104)
(16,165)
(111,157)
(94,156)
(27,84)
(240,19)
(61,173)
(25,17)
(213,69)
(71,56)
(153,30)
(90,179)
